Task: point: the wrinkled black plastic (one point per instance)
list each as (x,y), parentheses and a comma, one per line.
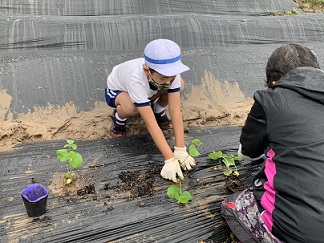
(35,199)
(112,216)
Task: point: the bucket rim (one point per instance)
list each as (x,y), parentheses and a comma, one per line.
(23,192)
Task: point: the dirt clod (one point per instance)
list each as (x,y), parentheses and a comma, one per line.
(234,183)
(89,189)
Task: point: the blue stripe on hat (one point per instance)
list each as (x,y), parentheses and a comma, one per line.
(164,61)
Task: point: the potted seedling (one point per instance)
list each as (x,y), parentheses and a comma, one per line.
(73,159)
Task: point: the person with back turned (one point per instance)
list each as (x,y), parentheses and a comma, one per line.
(285,125)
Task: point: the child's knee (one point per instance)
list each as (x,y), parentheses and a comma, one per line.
(131,109)
(181,84)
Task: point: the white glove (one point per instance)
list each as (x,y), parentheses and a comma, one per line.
(184,158)
(239,154)
(171,169)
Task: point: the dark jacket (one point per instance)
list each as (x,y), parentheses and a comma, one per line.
(288,119)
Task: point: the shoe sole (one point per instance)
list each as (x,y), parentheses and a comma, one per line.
(115,135)
(163,127)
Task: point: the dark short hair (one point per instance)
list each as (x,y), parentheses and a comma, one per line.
(286,58)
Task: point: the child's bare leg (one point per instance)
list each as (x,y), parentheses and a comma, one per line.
(125,106)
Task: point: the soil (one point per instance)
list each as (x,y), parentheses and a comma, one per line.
(211,103)
(234,183)
(307,6)
(310,6)
(81,185)
(138,183)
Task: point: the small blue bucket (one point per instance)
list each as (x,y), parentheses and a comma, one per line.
(35,199)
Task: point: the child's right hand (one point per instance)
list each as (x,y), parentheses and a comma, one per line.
(185,159)
(171,169)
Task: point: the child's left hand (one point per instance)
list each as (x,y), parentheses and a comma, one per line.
(184,158)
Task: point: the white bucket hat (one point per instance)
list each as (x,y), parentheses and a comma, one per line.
(164,56)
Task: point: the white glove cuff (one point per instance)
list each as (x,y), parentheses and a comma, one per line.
(181,149)
(239,153)
(169,160)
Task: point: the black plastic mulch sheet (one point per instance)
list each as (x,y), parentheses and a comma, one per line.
(110,216)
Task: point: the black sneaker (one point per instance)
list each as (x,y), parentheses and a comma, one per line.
(118,127)
(162,119)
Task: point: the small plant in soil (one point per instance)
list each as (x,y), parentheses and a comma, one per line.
(73,159)
(193,151)
(175,191)
(234,183)
(229,161)
(181,197)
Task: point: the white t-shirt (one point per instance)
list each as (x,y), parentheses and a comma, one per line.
(129,76)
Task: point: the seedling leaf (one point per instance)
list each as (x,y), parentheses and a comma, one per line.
(228,161)
(75,159)
(183,199)
(215,155)
(193,151)
(236,173)
(173,191)
(62,155)
(228,172)
(236,158)
(73,146)
(70,144)
(196,142)
(187,194)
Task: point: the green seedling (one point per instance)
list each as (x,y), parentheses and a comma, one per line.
(307,5)
(176,193)
(193,151)
(74,159)
(291,12)
(228,160)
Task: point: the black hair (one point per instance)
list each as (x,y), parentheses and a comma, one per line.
(152,70)
(286,58)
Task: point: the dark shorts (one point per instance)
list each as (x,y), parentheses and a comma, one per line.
(243,217)
(110,96)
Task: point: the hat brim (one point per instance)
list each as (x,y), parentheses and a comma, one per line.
(169,69)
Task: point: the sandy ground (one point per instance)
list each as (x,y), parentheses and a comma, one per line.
(212,103)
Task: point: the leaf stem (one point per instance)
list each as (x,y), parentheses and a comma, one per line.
(180,188)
